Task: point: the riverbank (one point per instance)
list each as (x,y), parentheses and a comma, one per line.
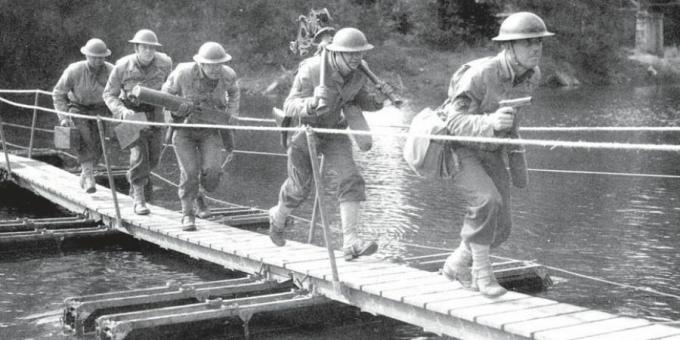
(422,74)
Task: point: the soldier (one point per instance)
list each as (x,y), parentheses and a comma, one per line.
(472,109)
(207,83)
(79,90)
(346,86)
(148,68)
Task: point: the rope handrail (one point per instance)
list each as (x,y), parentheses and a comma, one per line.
(493,140)
(400,126)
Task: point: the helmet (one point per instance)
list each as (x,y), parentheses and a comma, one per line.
(211,53)
(349,40)
(522,25)
(147,37)
(320,33)
(95,48)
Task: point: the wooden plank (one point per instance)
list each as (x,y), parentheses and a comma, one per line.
(591,328)
(444,307)
(501,319)
(424,300)
(645,332)
(433,287)
(528,328)
(517,306)
(382,287)
(357,279)
(400,275)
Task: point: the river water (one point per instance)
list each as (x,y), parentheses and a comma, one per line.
(621,229)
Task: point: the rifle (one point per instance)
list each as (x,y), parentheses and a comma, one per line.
(363,66)
(516,155)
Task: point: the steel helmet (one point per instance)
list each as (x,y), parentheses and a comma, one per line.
(349,40)
(147,37)
(522,25)
(211,53)
(320,33)
(95,48)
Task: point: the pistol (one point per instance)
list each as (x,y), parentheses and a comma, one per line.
(517,102)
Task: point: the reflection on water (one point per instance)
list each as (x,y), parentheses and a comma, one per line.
(621,229)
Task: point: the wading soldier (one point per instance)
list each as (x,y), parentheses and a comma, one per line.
(346,85)
(148,68)
(79,90)
(207,83)
(472,109)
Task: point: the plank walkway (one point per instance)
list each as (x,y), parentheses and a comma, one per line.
(404,293)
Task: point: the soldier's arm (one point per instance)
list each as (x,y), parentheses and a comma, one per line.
(300,100)
(367,101)
(60,93)
(459,121)
(233,99)
(111,94)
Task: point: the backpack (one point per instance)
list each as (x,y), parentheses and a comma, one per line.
(427,157)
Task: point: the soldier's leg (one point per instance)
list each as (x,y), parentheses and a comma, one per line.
(294,190)
(138,174)
(480,222)
(212,158)
(186,150)
(89,150)
(351,191)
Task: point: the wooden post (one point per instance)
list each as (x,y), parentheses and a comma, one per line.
(312,223)
(4,146)
(311,144)
(112,183)
(35,116)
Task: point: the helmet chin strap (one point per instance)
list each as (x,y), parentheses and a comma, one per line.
(339,63)
(514,60)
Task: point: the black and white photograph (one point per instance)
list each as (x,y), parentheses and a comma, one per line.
(340,169)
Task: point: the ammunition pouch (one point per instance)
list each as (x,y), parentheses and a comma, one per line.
(282,121)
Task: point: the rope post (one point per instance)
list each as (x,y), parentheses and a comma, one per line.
(35,117)
(315,210)
(112,183)
(4,146)
(313,156)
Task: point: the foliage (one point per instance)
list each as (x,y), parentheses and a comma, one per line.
(40,37)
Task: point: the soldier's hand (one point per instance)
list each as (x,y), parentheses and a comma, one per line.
(502,119)
(385,88)
(184,109)
(128,114)
(66,122)
(133,99)
(320,92)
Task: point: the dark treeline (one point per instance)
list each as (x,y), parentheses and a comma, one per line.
(39,37)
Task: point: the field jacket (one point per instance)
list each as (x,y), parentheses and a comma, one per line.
(127,74)
(189,82)
(474,92)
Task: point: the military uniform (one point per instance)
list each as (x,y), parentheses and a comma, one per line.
(79,90)
(127,73)
(482,178)
(336,148)
(199,151)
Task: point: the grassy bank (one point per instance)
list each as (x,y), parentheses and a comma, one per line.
(422,74)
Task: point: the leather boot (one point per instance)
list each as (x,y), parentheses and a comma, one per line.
(353,247)
(278,221)
(457,266)
(483,278)
(140,203)
(202,210)
(87,181)
(188,223)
